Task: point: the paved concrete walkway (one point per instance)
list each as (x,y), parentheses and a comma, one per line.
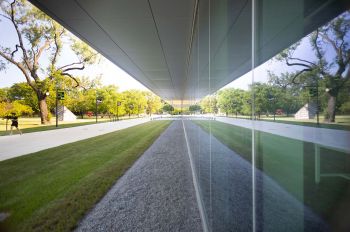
(338,139)
(17,145)
(155,194)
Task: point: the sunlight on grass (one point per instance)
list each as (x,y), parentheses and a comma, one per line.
(51,190)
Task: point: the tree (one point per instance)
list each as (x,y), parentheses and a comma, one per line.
(290,97)
(3,94)
(333,70)
(168,108)
(195,108)
(38,34)
(230,100)
(7,109)
(154,103)
(134,101)
(209,104)
(22,91)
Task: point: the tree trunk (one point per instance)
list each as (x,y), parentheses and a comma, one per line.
(44,113)
(330,116)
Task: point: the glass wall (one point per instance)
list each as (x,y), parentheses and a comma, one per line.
(270,151)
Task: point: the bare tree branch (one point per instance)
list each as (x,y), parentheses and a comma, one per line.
(21,44)
(16,50)
(20,66)
(299,64)
(298,74)
(5,16)
(302,60)
(40,51)
(73,68)
(72,77)
(71,64)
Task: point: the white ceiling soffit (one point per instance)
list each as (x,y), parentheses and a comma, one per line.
(155,41)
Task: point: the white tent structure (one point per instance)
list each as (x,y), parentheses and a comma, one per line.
(64,114)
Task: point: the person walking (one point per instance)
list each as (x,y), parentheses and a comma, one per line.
(14,123)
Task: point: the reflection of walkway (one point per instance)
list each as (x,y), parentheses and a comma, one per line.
(338,139)
(155,194)
(225,181)
(15,145)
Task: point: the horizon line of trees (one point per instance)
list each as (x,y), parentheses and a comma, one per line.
(21,100)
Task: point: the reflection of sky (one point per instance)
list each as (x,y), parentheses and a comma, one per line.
(304,51)
(261,72)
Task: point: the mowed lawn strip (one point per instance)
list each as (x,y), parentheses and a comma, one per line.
(290,163)
(51,190)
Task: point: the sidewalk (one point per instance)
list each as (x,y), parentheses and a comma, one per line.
(338,139)
(16,145)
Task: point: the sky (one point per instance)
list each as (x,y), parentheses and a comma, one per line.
(110,73)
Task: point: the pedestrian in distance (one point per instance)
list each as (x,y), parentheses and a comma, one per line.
(14,123)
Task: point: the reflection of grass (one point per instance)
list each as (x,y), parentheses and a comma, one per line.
(290,163)
(28,125)
(52,189)
(342,122)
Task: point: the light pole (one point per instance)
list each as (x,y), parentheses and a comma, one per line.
(272,99)
(98,101)
(131,107)
(118,104)
(96,108)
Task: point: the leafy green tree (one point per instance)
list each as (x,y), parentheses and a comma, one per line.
(154,103)
(230,100)
(194,108)
(290,96)
(134,102)
(8,109)
(333,70)
(3,94)
(168,108)
(17,108)
(22,91)
(37,34)
(209,104)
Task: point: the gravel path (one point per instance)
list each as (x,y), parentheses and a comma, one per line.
(156,194)
(225,181)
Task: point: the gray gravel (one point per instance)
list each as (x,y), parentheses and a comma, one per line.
(225,181)
(156,194)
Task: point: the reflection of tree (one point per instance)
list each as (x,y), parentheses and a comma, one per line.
(334,71)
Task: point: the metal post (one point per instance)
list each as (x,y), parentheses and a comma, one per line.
(96,109)
(317,106)
(317,164)
(117,111)
(56,106)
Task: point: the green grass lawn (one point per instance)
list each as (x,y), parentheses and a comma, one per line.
(51,190)
(28,125)
(291,164)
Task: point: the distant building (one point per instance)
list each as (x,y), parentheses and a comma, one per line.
(308,111)
(64,114)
